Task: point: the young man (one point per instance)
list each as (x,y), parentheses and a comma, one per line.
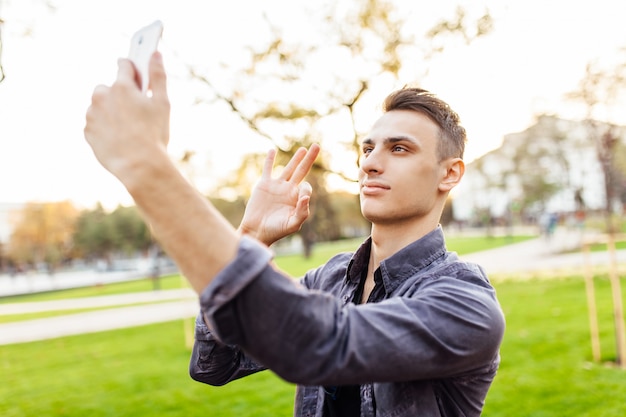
(399,328)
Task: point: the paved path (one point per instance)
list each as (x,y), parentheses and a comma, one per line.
(534,257)
(540,256)
(95,302)
(165,306)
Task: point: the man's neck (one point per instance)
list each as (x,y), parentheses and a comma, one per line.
(389,239)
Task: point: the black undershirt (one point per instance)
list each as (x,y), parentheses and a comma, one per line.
(345,400)
(342,401)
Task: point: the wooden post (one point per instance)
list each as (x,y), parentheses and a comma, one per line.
(591,304)
(618,312)
(188,325)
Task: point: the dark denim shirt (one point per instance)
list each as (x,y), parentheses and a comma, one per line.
(426,343)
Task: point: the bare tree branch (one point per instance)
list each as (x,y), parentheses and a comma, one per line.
(233,106)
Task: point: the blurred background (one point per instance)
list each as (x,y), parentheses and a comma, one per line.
(539,86)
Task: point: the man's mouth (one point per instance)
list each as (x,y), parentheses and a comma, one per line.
(373,187)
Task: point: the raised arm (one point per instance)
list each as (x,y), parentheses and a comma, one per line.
(128,132)
(279,206)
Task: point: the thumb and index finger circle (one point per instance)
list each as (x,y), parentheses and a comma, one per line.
(304,189)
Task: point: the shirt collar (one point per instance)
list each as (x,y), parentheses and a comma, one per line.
(403,264)
(359,261)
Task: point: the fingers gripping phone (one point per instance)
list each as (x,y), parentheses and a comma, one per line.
(142,45)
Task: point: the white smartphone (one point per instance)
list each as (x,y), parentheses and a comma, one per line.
(142,45)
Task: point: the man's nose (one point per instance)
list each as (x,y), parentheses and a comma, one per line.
(372,162)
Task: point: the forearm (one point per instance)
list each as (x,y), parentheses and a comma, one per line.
(189,228)
(128,132)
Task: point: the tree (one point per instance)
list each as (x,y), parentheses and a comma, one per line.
(534,162)
(130,232)
(348,212)
(3,258)
(93,236)
(483,215)
(600,89)
(232,210)
(100,235)
(291,92)
(43,234)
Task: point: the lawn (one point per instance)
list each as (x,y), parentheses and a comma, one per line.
(166,283)
(132,372)
(546,366)
(545,371)
(297,266)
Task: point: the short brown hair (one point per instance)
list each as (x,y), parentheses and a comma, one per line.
(451,134)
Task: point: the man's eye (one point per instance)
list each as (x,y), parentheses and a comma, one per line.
(398,149)
(367,150)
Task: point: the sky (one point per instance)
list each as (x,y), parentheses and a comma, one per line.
(56,51)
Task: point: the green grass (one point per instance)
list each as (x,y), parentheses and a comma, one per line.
(166,283)
(297,265)
(131,372)
(7,318)
(546,368)
(601,247)
(546,365)
(465,245)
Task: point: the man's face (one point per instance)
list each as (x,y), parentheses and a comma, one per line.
(400,172)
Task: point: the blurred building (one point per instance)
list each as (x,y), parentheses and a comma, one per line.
(8,213)
(551,167)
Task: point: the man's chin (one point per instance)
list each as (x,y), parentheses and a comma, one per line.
(374,216)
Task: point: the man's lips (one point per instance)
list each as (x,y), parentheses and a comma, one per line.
(373,187)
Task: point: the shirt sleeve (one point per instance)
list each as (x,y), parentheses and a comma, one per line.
(309,337)
(215,363)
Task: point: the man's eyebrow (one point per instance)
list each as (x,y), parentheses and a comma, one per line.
(391,139)
(396,139)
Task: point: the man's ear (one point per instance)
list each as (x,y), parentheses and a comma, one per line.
(454,170)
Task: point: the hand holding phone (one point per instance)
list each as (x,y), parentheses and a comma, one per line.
(142,45)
